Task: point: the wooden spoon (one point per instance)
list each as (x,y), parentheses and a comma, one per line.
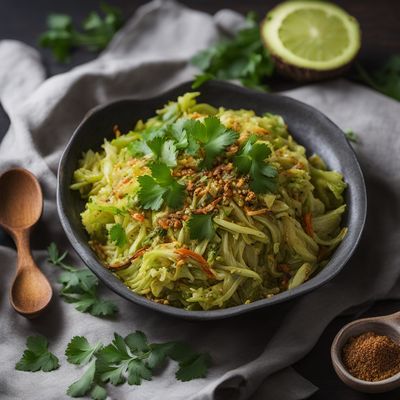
(388,325)
(21,205)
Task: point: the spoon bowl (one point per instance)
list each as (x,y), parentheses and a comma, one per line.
(21,203)
(388,325)
(20,198)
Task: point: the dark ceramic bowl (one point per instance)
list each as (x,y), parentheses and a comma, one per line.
(310,128)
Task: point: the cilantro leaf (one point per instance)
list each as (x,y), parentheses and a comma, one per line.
(159,353)
(77,280)
(192,365)
(138,148)
(199,79)
(37,357)
(159,188)
(79,287)
(193,368)
(151,194)
(164,151)
(118,235)
(243,57)
(213,136)
(201,227)
(251,160)
(137,341)
(137,371)
(54,256)
(82,386)
(98,393)
(61,37)
(131,359)
(89,302)
(79,351)
(351,136)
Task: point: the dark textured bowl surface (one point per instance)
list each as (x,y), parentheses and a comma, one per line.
(309,127)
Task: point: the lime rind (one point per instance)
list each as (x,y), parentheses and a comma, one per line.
(274,37)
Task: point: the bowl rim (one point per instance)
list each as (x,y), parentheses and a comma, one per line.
(339,258)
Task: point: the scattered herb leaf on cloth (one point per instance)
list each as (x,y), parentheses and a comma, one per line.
(79,286)
(37,356)
(385,79)
(244,57)
(351,136)
(130,359)
(96,32)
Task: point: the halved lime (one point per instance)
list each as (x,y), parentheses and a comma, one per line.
(315,35)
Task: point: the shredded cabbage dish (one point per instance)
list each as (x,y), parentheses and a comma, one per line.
(203,208)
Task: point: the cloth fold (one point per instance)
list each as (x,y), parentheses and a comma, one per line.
(252,354)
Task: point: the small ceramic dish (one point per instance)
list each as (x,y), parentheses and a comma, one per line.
(388,325)
(308,126)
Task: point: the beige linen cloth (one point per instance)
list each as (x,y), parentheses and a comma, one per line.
(252,354)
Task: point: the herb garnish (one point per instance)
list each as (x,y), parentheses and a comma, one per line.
(201,226)
(37,356)
(213,138)
(351,136)
(96,32)
(130,359)
(244,57)
(118,235)
(79,286)
(251,160)
(160,187)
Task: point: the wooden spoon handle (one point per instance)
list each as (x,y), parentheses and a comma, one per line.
(22,242)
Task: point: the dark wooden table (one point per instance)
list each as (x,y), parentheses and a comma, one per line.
(25,19)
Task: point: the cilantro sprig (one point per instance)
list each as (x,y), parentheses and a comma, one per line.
(96,32)
(79,286)
(243,57)
(251,160)
(37,356)
(213,138)
(159,188)
(129,360)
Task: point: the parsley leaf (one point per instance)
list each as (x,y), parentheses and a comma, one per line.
(37,356)
(160,187)
(213,136)
(79,286)
(61,37)
(251,160)
(243,57)
(201,226)
(351,136)
(118,235)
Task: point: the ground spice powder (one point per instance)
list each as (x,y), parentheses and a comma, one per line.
(371,357)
